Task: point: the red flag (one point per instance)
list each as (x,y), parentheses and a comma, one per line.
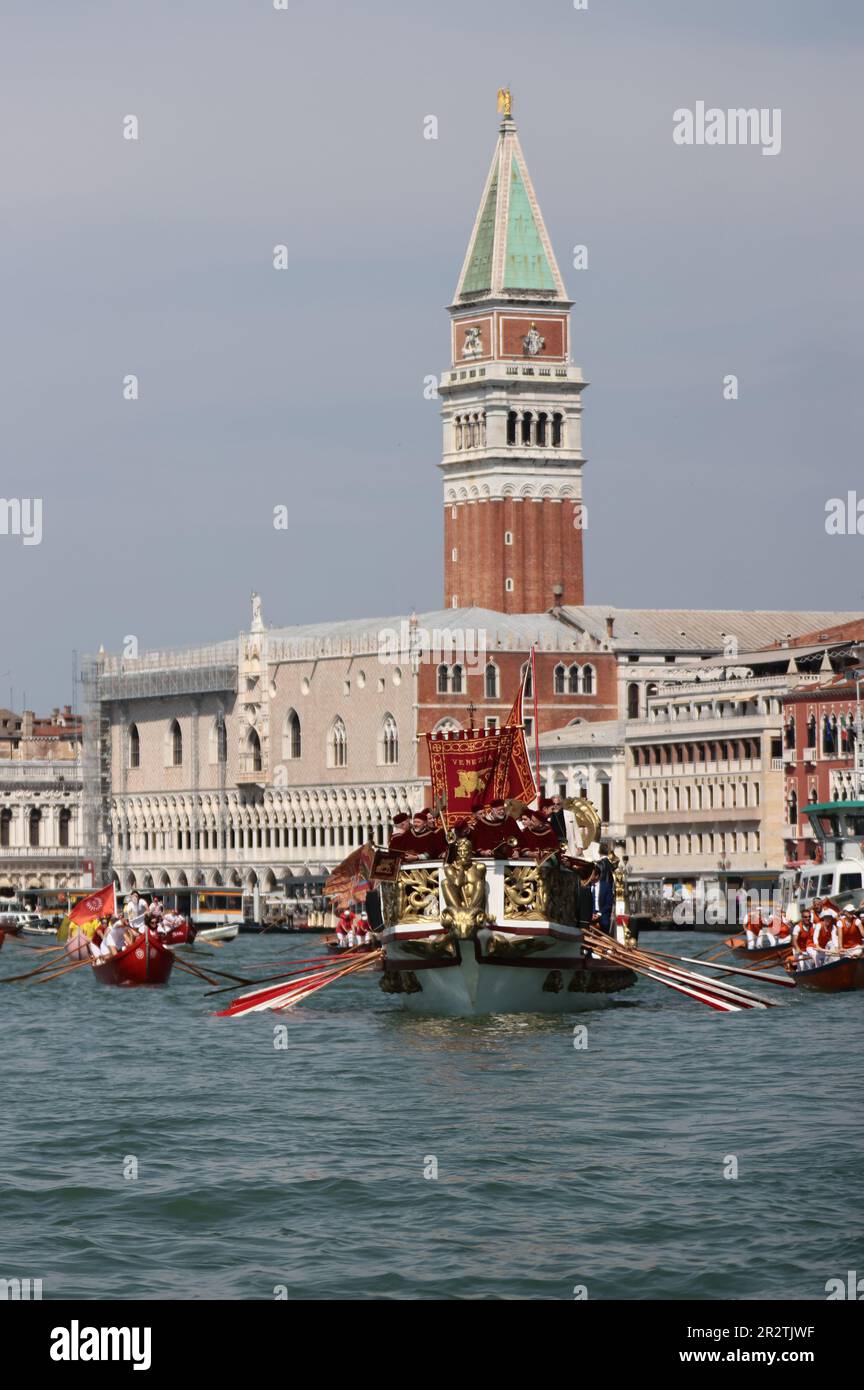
(477,768)
(102,903)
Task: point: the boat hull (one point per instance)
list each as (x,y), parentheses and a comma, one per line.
(226,933)
(739,948)
(136,965)
(835,978)
(559,981)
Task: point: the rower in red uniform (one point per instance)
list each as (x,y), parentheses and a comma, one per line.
(850,938)
(802,938)
(753,925)
(823,938)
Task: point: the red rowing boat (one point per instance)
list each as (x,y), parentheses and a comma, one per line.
(836,976)
(181,935)
(142,963)
(738,946)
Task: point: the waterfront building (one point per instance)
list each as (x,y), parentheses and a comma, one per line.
(41,831)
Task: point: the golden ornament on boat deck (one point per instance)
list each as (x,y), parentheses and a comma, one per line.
(463,888)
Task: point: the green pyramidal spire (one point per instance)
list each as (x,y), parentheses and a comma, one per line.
(510,254)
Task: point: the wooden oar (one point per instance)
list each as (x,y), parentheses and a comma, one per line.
(283,998)
(725,997)
(730,969)
(40,969)
(76,965)
(198,973)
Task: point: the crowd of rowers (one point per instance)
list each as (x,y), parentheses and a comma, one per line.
(817,934)
(116,932)
(353,929)
(502,830)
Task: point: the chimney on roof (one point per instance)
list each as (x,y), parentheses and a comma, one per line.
(610,626)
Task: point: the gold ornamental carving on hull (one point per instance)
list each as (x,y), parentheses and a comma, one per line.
(463,888)
(413,898)
(541,893)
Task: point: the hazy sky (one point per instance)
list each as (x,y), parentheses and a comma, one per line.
(305,387)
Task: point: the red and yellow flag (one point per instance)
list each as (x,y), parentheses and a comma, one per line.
(87,912)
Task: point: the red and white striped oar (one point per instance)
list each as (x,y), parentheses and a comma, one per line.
(725,998)
(286,995)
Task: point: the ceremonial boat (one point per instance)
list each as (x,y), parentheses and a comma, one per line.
(836,977)
(477,936)
(144,962)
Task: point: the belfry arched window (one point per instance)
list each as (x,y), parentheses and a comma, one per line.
(134,746)
(542,422)
(526,427)
(557,430)
(512,422)
(457,429)
(176,744)
(633,700)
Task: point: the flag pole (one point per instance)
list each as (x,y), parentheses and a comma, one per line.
(536,723)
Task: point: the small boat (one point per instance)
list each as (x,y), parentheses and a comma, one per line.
(738,946)
(77,944)
(835,977)
(228,932)
(183,934)
(141,963)
(334,949)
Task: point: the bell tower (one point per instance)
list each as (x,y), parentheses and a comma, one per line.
(512,460)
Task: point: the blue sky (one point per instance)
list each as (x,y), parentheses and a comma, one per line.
(305,387)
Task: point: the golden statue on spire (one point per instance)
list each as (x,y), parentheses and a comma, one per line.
(505,103)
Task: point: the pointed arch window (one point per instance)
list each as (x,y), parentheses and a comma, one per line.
(528,680)
(253,750)
(587,680)
(443,679)
(292,739)
(221,740)
(134,746)
(176,735)
(492,681)
(388,742)
(337,744)
(560,680)
(573,681)
(456,680)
